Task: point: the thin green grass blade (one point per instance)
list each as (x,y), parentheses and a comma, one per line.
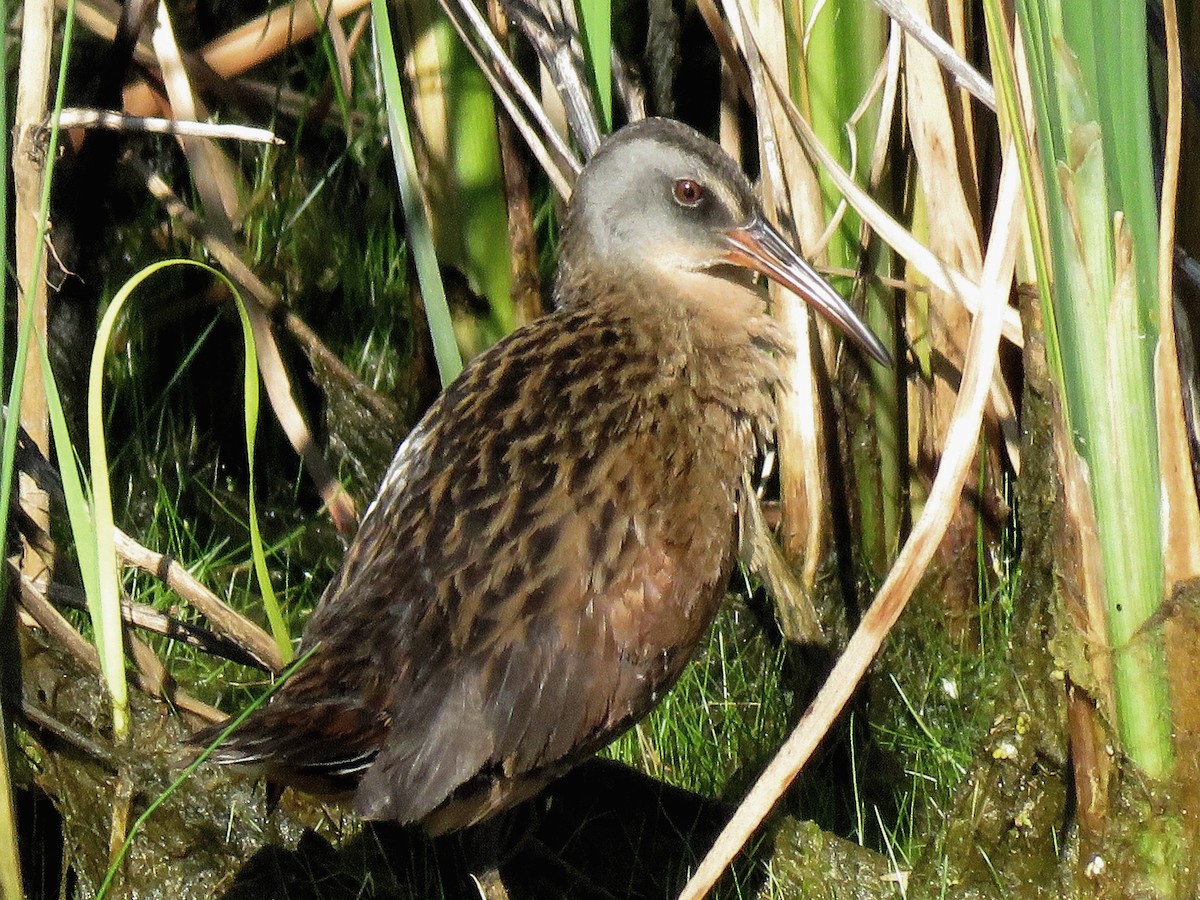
(10,864)
(104,605)
(454,113)
(595,19)
(437,310)
(25,326)
(475,156)
(107,610)
(845,46)
(279,629)
(335,78)
(10,855)
(75,491)
(10,867)
(1005,79)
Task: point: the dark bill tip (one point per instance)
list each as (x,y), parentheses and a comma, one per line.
(759,247)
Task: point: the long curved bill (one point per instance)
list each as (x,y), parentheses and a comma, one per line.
(758,246)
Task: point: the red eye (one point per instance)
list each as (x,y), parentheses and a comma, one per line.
(688,192)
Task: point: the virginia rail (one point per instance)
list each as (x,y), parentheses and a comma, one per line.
(553,539)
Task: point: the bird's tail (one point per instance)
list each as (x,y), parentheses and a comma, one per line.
(321,746)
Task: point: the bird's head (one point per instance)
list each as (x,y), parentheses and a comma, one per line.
(660,198)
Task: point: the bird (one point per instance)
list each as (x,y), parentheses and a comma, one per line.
(553,539)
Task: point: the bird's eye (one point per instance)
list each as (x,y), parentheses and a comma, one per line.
(688,192)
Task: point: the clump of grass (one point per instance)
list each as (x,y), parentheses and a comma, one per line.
(936,711)
(731,708)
